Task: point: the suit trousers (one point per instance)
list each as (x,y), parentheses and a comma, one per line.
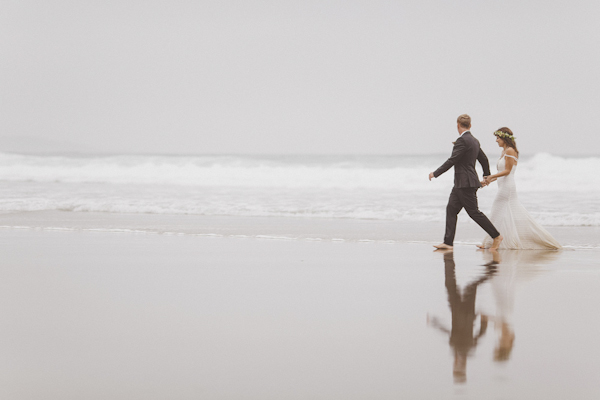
(465,198)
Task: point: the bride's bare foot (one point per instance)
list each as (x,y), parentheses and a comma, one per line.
(443,246)
(481,246)
(497,240)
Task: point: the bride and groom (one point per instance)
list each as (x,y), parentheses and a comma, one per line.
(509,225)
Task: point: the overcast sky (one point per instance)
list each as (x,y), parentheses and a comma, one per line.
(373,77)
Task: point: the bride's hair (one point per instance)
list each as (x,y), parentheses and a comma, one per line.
(510,141)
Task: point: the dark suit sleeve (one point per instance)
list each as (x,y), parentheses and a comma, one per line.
(457,152)
(485,164)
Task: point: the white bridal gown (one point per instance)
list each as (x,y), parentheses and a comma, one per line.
(511,219)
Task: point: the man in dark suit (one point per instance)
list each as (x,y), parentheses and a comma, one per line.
(466,182)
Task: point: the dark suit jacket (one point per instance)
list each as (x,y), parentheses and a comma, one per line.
(464,153)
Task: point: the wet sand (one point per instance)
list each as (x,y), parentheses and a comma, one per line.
(277,227)
(100,315)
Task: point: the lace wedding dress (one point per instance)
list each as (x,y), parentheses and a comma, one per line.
(511,219)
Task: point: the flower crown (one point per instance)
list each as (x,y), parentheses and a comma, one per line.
(504,135)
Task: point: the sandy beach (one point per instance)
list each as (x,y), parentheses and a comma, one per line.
(128,315)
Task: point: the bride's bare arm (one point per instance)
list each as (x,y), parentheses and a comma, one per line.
(509,163)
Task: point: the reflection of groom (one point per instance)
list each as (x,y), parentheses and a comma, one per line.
(464,194)
(462,307)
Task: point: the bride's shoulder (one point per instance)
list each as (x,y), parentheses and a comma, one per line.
(511,152)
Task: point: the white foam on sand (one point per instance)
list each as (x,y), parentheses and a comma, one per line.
(275,228)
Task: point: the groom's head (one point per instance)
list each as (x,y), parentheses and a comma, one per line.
(463,123)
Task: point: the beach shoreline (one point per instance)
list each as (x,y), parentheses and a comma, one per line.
(284,228)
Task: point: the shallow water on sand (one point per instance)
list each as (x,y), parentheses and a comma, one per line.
(121,316)
(276,228)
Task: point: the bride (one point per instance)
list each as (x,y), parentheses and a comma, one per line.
(519,230)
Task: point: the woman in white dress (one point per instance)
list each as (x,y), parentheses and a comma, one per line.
(511,219)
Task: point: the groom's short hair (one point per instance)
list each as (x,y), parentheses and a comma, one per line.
(464,120)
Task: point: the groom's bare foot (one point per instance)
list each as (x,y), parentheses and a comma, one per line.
(497,240)
(443,246)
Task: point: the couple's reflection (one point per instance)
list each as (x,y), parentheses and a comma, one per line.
(501,271)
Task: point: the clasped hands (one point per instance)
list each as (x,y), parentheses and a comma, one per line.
(487,180)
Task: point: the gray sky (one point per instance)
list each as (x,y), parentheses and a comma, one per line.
(298,76)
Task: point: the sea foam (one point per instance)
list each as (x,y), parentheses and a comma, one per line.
(556,190)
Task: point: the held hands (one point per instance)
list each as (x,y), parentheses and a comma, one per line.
(487,180)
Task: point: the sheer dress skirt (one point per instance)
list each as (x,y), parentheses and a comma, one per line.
(517,227)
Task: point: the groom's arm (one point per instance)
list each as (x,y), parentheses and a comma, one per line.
(457,152)
(485,164)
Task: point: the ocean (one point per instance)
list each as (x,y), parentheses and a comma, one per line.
(557,190)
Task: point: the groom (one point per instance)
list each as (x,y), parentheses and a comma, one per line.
(464,194)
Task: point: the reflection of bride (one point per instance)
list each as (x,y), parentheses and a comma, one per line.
(514,223)
(503,288)
(513,266)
